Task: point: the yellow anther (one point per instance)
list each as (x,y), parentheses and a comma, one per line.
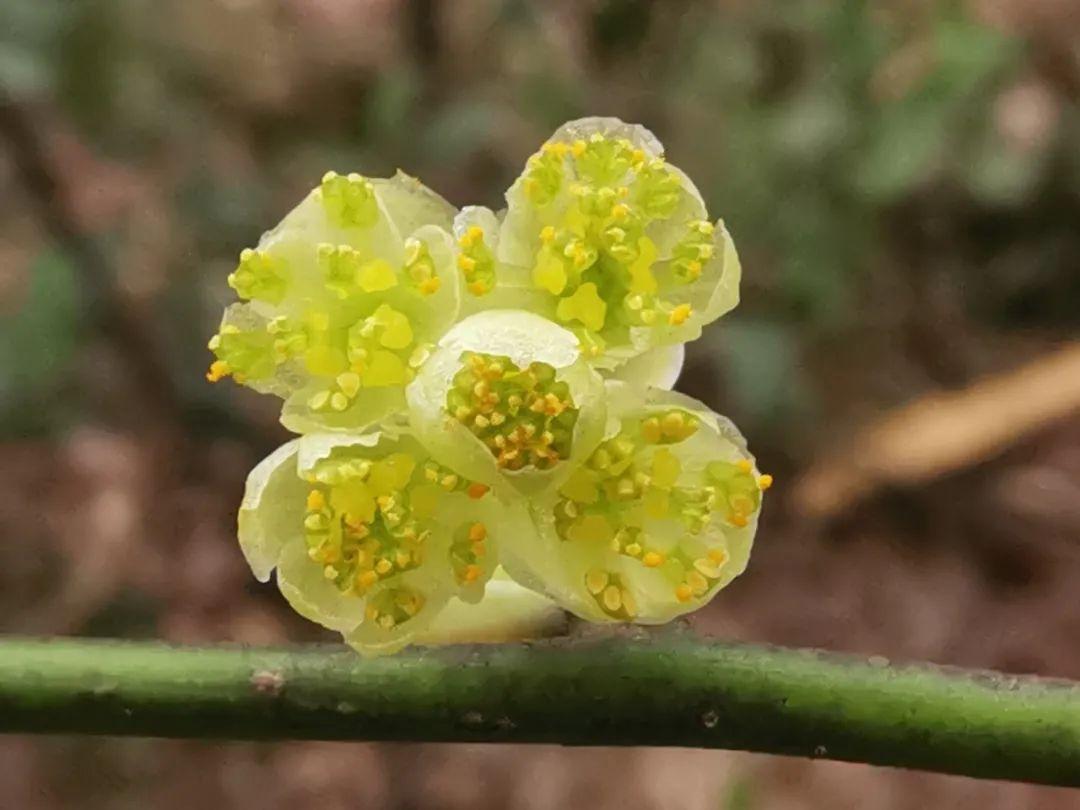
(612,598)
(743,465)
(596,580)
(547,234)
(478,549)
(349,383)
(673,425)
(707,568)
(620,211)
(739,519)
(367,579)
(338,401)
(653,559)
(477,490)
(478,288)
(402,559)
(430,286)
(316,501)
(633,549)
(472,572)
(386,621)
(449,481)
(578,148)
(679,315)
(466,263)
(475,233)
(218,369)
(765,481)
(718,556)
(384,566)
(683,592)
(697,582)
(651,431)
(478,531)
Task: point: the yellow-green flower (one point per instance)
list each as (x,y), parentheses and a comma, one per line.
(654,522)
(342,302)
(370,536)
(507,399)
(604,236)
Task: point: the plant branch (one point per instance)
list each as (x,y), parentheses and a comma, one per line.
(670,691)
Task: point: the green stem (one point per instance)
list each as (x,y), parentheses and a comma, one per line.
(615,691)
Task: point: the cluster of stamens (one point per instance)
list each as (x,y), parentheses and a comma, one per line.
(599,260)
(420,267)
(468,551)
(525,417)
(349,200)
(612,594)
(632,478)
(393,606)
(476,261)
(359,525)
(348,336)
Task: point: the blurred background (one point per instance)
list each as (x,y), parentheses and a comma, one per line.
(903,182)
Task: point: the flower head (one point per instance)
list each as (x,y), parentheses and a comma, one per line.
(342,301)
(602,235)
(508,399)
(654,522)
(370,536)
(484,399)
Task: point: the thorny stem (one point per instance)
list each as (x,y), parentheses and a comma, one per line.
(668,690)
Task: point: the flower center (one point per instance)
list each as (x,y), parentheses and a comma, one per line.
(596,257)
(633,478)
(524,416)
(368,520)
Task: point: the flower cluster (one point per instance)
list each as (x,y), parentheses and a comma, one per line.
(487,430)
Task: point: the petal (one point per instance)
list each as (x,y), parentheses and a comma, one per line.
(272,511)
(583,128)
(508,612)
(656,368)
(411,204)
(311,594)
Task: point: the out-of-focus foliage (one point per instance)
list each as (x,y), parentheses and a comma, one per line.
(855,149)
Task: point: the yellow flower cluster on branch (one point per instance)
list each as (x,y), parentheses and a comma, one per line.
(484,397)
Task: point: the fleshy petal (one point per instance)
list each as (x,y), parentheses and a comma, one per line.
(508,612)
(656,368)
(312,594)
(272,510)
